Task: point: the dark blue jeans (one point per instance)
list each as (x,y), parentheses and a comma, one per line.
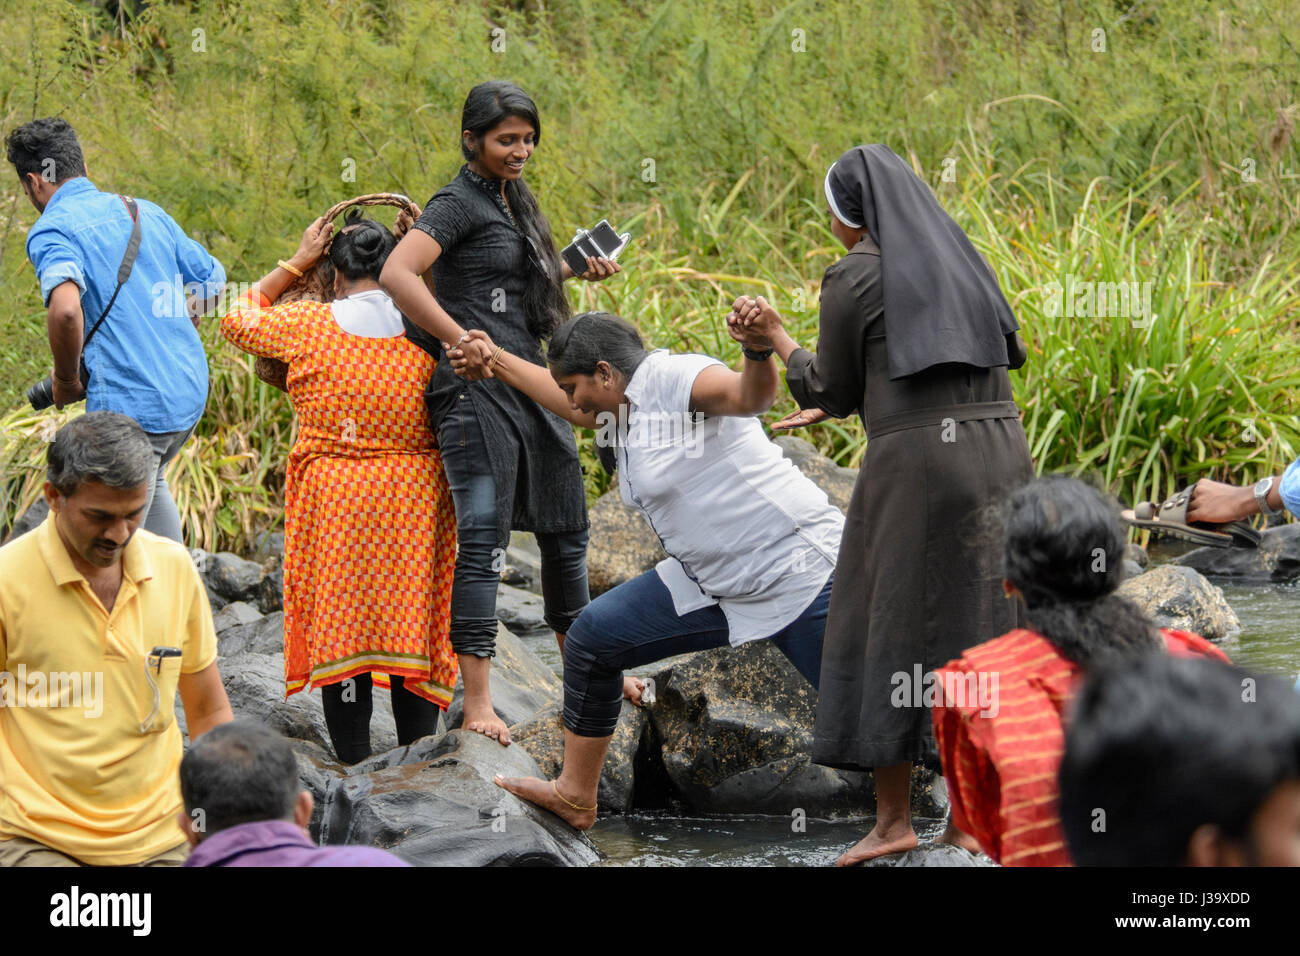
(635,623)
(480,547)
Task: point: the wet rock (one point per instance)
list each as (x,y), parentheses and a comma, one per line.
(1180,598)
(523,563)
(255,685)
(836,480)
(33,517)
(269,544)
(235,614)
(543,737)
(1137,554)
(1276,559)
(734,731)
(270,590)
(228,575)
(435,804)
(521,611)
(262,635)
(1131,569)
(521,684)
(932,854)
(317,771)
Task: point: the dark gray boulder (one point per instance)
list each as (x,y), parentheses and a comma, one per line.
(33,517)
(1180,598)
(734,731)
(1137,554)
(543,737)
(270,590)
(228,576)
(261,635)
(1276,559)
(521,684)
(521,611)
(317,771)
(235,614)
(434,804)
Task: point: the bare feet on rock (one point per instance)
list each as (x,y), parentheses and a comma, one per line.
(959,838)
(484,720)
(543,793)
(880,842)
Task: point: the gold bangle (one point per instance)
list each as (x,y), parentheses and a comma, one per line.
(288,268)
(493,364)
(555,786)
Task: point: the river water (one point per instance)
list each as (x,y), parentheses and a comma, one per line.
(1268,642)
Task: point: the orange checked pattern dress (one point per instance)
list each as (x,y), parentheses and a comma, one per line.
(1001,765)
(369,531)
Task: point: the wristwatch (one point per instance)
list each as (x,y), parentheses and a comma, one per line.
(762,356)
(1262,488)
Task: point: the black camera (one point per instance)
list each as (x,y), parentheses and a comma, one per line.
(41,395)
(600,242)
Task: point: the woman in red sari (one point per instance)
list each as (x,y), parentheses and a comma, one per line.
(1000,724)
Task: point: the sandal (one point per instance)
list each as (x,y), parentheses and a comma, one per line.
(1171,519)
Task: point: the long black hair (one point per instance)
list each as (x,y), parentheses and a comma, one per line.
(486,107)
(1065,553)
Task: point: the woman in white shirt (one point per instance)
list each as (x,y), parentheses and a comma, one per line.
(752,542)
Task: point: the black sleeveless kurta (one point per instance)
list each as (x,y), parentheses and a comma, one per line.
(920,566)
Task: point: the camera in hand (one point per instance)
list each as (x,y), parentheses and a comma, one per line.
(601,242)
(41,395)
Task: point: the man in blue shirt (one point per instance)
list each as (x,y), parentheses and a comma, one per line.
(146,360)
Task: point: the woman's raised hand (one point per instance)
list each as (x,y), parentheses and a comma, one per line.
(405,220)
(313,244)
(757,317)
(470,356)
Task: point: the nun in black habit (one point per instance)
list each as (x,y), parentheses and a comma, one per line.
(916,338)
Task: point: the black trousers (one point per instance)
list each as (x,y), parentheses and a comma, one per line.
(348,720)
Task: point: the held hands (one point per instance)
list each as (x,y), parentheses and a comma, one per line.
(753,322)
(471,355)
(312,246)
(405,220)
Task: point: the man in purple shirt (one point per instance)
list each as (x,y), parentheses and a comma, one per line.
(243,806)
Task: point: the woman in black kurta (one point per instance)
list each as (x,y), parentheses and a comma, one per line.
(917,580)
(510,463)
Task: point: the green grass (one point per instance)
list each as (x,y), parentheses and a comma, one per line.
(1127,165)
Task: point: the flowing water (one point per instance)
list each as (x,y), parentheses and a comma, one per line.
(1267,642)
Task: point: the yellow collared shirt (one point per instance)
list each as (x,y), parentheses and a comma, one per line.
(77,771)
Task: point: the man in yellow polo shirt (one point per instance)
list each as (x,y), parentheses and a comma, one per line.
(100,625)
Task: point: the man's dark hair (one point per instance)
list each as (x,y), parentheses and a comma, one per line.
(103,446)
(47,147)
(239,772)
(1163,745)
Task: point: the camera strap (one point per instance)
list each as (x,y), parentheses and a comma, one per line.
(124,270)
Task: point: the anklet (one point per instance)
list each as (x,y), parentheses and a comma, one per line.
(555,787)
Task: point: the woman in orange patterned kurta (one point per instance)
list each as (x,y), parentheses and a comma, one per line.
(370,539)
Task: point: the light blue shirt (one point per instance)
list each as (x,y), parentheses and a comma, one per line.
(1289,488)
(146,360)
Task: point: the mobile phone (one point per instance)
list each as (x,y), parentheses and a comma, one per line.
(609,241)
(601,241)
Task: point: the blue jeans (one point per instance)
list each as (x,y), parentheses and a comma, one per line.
(635,623)
(161,514)
(480,548)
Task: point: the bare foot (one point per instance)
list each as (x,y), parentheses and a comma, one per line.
(542,793)
(959,838)
(632,688)
(879,843)
(484,720)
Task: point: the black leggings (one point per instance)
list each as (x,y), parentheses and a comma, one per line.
(348,721)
